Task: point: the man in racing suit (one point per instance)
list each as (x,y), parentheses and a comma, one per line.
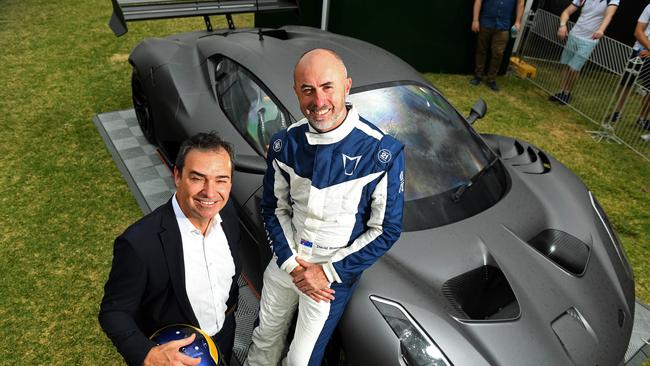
(332,205)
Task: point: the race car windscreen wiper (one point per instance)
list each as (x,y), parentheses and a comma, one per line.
(458,193)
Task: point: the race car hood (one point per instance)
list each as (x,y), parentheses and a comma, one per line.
(535,279)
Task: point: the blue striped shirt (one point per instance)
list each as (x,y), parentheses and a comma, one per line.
(497,14)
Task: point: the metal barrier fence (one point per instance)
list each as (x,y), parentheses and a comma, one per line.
(608,82)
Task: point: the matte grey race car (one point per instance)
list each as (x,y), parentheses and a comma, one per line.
(506,257)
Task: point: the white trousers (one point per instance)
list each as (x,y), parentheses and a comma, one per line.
(277,305)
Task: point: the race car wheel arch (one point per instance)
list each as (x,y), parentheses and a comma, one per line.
(142,107)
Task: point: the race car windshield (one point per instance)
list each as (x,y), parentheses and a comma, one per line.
(442,152)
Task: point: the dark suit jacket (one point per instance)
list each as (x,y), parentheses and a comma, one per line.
(146,286)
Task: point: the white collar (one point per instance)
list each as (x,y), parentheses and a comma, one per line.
(349,123)
(185,225)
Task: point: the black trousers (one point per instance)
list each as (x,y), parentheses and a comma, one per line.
(225,338)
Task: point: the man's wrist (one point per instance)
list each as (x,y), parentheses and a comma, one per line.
(149,356)
(562,24)
(289,265)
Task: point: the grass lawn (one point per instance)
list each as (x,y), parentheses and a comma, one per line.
(63,201)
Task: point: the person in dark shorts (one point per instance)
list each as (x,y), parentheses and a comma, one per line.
(641,49)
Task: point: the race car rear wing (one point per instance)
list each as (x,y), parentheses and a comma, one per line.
(131,10)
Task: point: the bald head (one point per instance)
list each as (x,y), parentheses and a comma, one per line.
(321,83)
(319,57)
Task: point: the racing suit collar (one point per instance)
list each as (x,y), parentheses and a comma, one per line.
(337,134)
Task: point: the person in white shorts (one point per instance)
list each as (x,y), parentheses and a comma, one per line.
(595,16)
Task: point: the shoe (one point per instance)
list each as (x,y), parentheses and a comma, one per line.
(565,98)
(557,97)
(475,80)
(615,117)
(643,123)
(493,85)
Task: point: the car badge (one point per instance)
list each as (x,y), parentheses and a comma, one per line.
(277,145)
(384,156)
(350,163)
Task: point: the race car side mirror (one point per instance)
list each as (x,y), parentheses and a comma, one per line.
(479,109)
(253,164)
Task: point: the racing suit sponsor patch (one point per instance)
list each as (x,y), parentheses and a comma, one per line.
(350,163)
(277,145)
(384,155)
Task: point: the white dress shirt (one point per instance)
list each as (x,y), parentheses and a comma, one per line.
(209,268)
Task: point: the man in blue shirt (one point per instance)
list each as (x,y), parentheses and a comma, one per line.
(492,21)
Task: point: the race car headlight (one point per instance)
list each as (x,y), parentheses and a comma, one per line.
(418,349)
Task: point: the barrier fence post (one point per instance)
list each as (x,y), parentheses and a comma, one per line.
(610,90)
(620,96)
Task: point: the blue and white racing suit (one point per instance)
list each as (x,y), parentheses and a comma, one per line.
(333,198)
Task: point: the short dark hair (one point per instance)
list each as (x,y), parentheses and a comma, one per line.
(202,141)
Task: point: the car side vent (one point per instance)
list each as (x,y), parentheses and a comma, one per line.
(527,159)
(576,336)
(276,33)
(509,150)
(562,249)
(482,294)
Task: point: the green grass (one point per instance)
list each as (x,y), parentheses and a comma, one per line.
(593,94)
(63,201)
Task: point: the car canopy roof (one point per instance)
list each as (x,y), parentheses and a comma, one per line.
(272,59)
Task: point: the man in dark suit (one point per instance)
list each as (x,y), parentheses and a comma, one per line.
(178,264)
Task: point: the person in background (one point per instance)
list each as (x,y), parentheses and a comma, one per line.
(492,20)
(641,49)
(595,16)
